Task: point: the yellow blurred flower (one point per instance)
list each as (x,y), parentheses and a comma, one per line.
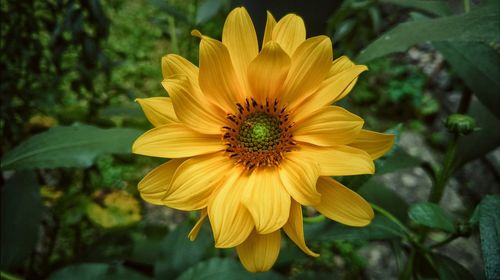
(252,137)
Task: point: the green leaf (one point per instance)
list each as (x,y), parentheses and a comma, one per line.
(73,146)
(431,215)
(380,228)
(481,142)
(96,271)
(375,192)
(476,25)
(215,269)
(489,229)
(21,212)
(397,161)
(208,9)
(178,253)
(448,269)
(439,8)
(478,64)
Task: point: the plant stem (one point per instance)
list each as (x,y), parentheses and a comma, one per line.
(392,218)
(173,35)
(408,269)
(444,174)
(445,241)
(466,6)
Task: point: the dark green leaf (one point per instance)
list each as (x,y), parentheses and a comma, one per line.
(215,269)
(380,195)
(439,8)
(478,64)
(397,161)
(380,228)
(431,215)
(448,269)
(178,253)
(481,142)
(96,271)
(474,26)
(208,9)
(73,146)
(489,229)
(21,214)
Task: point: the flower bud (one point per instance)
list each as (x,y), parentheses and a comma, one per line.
(460,124)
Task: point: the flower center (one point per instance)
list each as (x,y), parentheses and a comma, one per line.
(258,135)
(260,132)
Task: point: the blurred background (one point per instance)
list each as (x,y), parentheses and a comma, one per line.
(70,207)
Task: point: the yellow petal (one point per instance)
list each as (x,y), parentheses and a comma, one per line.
(217,78)
(241,41)
(329,126)
(374,143)
(340,160)
(175,140)
(339,65)
(267,72)
(341,204)
(289,32)
(195,180)
(192,108)
(266,200)
(294,228)
(156,184)
(259,252)
(173,64)
(299,176)
(331,89)
(230,220)
(310,64)
(196,228)
(158,110)
(268,32)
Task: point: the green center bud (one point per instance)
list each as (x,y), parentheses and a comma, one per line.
(260,132)
(460,124)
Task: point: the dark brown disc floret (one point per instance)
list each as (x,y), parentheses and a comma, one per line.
(258,134)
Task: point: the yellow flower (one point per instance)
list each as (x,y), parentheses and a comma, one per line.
(252,137)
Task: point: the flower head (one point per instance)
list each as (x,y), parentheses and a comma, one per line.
(252,136)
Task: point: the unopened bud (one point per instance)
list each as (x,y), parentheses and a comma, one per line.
(460,124)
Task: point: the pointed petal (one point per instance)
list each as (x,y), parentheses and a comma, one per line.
(230,220)
(192,108)
(158,110)
(294,228)
(310,64)
(329,126)
(217,78)
(195,180)
(332,89)
(268,32)
(156,184)
(340,160)
(173,64)
(266,200)
(196,228)
(299,176)
(260,251)
(241,41)
(374,143)
(341,204)
(175,140)
(289,32)
(267,72)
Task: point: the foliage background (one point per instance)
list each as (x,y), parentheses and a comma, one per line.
(70,70)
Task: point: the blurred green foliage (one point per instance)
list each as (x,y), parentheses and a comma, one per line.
(70,70)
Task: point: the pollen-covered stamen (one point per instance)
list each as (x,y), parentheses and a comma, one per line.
(258,135)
